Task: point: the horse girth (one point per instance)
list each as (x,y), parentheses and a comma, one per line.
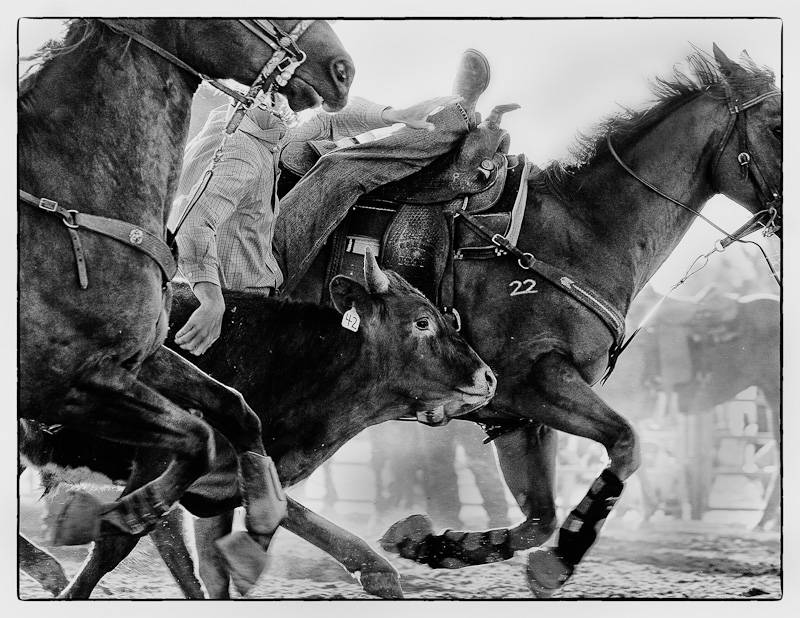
(121,231)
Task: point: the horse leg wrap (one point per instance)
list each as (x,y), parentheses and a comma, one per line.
(244,558)
(264,498)
(136,514)
(455,550)
(579,531)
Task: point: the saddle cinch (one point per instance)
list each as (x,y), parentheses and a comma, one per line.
(410,223)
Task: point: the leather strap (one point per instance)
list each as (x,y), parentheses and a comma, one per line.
(126,233)
(584,294)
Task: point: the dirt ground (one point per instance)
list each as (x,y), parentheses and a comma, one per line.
(665,560)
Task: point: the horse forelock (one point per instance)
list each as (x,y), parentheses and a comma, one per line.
(701,76)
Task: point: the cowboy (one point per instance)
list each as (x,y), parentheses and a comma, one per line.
(226,238)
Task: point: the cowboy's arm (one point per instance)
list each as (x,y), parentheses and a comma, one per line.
(361,115)
(358,116)
(197,244)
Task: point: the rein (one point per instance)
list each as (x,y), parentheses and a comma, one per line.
(280,67)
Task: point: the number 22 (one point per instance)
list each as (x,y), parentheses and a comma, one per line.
(530,283)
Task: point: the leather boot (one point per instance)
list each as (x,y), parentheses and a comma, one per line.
(472,78)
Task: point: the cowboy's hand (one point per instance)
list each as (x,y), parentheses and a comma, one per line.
(416,116)
(204,325)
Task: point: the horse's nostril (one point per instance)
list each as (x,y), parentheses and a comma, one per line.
(340,70)
(491,380)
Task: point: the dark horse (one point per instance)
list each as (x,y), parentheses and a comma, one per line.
(102,125)
(713,369)
(608,230)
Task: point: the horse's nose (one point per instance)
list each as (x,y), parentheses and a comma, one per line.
(342,70)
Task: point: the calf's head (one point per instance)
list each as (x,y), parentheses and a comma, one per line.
(422,364)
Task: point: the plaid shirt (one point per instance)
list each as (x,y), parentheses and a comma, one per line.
(227,237)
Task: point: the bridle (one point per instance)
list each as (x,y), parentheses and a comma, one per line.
(769,196)
(280,67)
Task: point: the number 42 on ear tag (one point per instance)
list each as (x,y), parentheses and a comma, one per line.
(351,320)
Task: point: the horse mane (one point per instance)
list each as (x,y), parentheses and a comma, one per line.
(670,92)
(78,32)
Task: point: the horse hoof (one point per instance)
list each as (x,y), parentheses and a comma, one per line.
(546,572)
(383,585)
(245,559)
(76,520)
(413,529)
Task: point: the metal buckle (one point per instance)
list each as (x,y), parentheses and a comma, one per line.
(497,242)
(48,205)
(69,222)
(531,261)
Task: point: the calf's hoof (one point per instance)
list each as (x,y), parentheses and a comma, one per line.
(76,519)
(244,558)
(383,585)
(546,572)
(406,536)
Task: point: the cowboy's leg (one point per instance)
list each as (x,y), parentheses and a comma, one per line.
(322,198)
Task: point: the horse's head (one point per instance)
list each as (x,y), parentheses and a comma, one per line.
(748,165)
(228,48)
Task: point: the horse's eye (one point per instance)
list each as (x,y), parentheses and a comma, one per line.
(422,324)
(778,132)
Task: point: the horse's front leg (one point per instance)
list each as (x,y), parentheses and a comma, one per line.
(573,407)
(111,403)
(42,566)
(376,574)
(227,412)
(527,458)
(107,552)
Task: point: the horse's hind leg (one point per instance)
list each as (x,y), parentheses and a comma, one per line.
(170,541)
(40,565)
(576,409)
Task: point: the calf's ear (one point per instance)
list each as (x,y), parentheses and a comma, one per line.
(346,292)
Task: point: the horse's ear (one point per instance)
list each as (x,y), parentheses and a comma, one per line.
(728,67)
(747,61)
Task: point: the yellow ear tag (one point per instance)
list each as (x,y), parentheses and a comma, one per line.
(350,319)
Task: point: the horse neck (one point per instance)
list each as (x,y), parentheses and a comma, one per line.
(102,129)
(627,228)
